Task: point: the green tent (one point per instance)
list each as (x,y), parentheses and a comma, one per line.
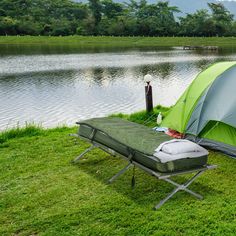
(206,112)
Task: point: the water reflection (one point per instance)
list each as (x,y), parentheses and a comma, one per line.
(63,88)
(44,49)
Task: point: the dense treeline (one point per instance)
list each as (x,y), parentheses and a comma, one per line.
(105,17)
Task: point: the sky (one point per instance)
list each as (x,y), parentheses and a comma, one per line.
(190,6)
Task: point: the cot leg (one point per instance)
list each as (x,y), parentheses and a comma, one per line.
(193,193)
(82,154)
(183,187)
(166,199)
(119,173)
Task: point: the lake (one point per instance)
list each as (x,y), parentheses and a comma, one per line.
(60,85)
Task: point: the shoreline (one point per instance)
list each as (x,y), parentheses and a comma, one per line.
(109,41)
(30,130)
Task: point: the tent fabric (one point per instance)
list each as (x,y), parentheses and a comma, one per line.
(179,115)
(221,133)
(218,103)
(207,109)
(212,144)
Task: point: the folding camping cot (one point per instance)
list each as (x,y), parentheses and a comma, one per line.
(136,144)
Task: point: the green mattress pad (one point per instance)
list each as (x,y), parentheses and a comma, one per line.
(137,137)
(126,137)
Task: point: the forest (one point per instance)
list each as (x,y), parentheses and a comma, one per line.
(108,18)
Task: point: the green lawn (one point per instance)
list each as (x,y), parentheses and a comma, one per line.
(42,193)
(108,41)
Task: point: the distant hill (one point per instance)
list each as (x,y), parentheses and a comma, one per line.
(190,6)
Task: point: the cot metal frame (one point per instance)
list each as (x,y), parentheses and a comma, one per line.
(159,175)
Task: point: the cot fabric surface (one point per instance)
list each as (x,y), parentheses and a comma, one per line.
(127,138)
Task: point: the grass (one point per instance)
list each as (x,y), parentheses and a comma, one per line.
(143,117)
(42,193)
(108,41)
(29,130)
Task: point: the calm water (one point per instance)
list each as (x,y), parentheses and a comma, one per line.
(60,85)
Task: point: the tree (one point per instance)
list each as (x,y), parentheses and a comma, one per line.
(40,16)
(87,27)
(109,17)
(166,18)
(154,19)
(197,24)
(111,9)
(234,29)
(222,18)
(96,9)
(8,26)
